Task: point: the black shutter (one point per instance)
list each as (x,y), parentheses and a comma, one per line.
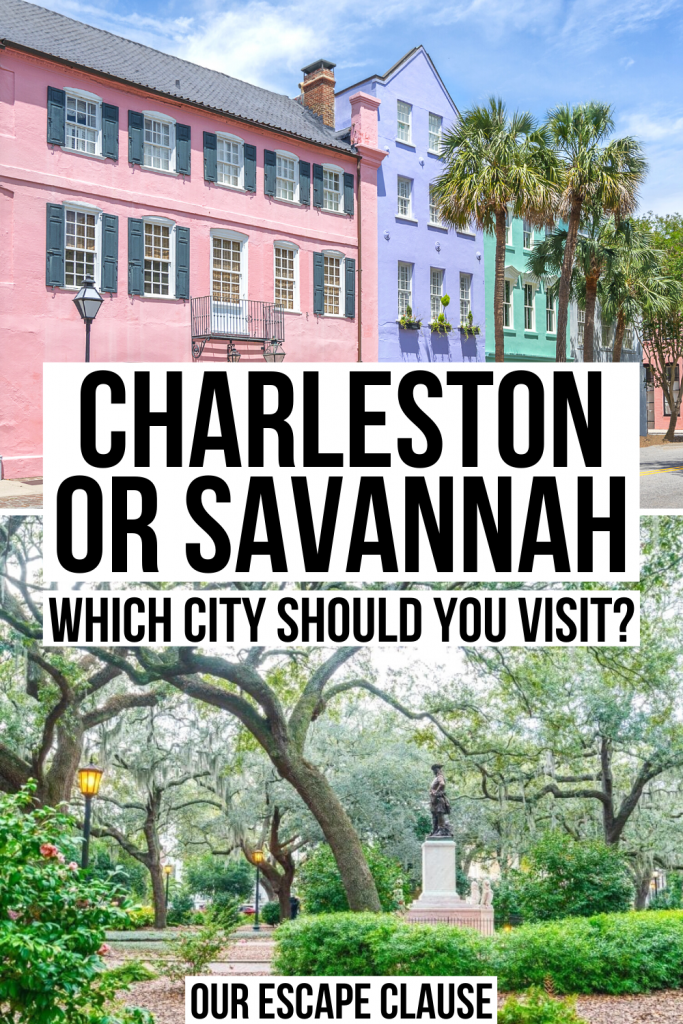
(56,116)
(269,168)
(54,263)
(304,183)
(182,263)
(317,185)
(110,131)
(136,147)
(318,283)
(210,157)
(183,148)
(249,168)
(348,193)
(350,290)
(136,256)
(110,252)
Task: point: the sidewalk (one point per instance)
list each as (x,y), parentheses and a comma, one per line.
(24,494)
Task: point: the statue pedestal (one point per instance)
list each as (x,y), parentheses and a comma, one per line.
(439,902)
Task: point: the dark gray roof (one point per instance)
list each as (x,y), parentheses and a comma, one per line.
(35,28)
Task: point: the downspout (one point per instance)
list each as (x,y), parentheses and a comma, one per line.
(360,272)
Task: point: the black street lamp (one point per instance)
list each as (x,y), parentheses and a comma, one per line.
(168,871)
(257,857)
(233,356)
(88,301)
(89,779)
(273,352)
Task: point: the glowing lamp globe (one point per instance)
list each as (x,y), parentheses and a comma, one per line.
(89,779)
(257,856)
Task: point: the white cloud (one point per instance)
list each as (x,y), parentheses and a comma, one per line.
(649,128)
(627,62)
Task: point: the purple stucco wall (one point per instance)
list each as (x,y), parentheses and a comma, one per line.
(416,242)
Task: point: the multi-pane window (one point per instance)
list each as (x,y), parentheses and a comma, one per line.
(435,133)
(508,228)
(405,279)
(285,178)
(285,277)
(465,297)
(528,307)
(433,208)
(404,190)
(549,312)
(507,304)
(581,317)
(436,291)
(82,125)
(157,259)
(80,246)
(628,337)
(332,284)
(158,144)
(229,158)
(331,189)
(528,240)
(226,270)
(403,112)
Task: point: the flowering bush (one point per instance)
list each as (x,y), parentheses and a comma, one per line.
(52,926)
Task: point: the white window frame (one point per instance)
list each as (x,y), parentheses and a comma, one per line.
(409,301)
(532,325)
(527,230)
(155,115)
(227,137)
(333,168)
(508,304)
(283,154)
(409,109)
(168,223)
(435,294)
(295,296)
(439,134)
(231,236)
(402,180)
(508,228)
(90,97)
(580,325)
(335,254)
(468,278)
(628,338)
(550,309)
(97,212)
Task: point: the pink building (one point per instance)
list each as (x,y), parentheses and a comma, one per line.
(213,214)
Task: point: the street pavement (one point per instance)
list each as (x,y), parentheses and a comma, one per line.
(24,494)
(661,476)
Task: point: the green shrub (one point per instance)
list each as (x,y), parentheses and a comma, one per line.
(224,911)
(506,898)
(270,912)
(191,952)
(612,953)
(670,898)
(137,917)
(208,875)
(181,906)
(538,1008)
(322,892)
(52,925)
(125,872)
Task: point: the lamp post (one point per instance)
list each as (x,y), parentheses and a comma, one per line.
(88,301)
(89,779)
(233,356)
(257,858)
(168,871)
(273,352)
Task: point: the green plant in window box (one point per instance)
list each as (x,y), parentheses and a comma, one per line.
(441,325)
(469,327)
(408,322)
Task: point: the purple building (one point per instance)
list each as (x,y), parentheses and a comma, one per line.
(419,259)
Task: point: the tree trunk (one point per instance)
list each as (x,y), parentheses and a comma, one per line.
(674,406)
(619,332)
(150,830)
(158,893)
(589,329)
(499,286)
(283,895)
(57,785)
(565,281)
(643,889)
(324,804)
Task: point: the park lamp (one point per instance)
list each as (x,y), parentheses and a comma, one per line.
(168,869)
(233,356)
(87,299)
(89,779)
(274,352)
(257,856)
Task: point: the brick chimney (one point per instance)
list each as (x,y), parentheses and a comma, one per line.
(317,89)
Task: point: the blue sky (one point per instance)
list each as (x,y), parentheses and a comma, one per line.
(533,53)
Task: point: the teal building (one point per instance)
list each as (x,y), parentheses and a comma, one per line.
(530,315)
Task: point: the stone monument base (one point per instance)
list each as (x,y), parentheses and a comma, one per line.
(439,902)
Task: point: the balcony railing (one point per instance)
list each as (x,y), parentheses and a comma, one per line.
(246,321)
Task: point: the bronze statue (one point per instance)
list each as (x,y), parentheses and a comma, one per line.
(439,804)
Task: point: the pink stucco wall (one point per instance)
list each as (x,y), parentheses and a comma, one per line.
(41,324)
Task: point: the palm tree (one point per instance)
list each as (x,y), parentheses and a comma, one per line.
(603,174)
(497,163)
(636,285)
